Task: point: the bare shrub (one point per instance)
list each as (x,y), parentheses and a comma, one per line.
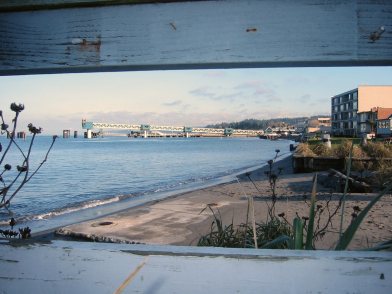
(321,150)
(303,149)
(343,149)
(11,182)
(377,150)
(357,163)
(383,174)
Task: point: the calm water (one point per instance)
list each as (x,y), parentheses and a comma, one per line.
(84,173)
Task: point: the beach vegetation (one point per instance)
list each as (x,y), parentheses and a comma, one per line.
(372,161)
(378,150)
(13,178)
(357,218)
(383,175)
(22,233)
(221,235)
(303,149)
(317,150)
(242,236)
(349,233)
(302,233)
(335,140)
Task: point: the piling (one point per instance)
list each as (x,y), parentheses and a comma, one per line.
(21,135)
(88,134)
(66,134)
(75,134)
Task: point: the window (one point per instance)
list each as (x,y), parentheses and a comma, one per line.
(384,124)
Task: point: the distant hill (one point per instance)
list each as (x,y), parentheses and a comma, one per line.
(257,124)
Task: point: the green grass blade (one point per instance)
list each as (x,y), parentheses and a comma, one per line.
(348,171)
(276,242)
(309,233)
(387,246)
(353,227)
(298,233)
(253,220)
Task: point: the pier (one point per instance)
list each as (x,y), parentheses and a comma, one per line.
(146,130)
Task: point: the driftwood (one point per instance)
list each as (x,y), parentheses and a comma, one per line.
(353,185)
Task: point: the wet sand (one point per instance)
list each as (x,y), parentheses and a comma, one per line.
(183,219)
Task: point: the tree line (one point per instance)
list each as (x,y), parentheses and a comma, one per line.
(257,124)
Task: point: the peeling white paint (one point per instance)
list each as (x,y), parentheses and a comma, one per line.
(201,34)
(73,267)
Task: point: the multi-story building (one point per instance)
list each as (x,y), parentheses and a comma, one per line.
(351,111)
(384,122)
(367,121)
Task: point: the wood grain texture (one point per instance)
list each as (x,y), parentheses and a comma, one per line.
(84,267)
(191,35)
(27,5)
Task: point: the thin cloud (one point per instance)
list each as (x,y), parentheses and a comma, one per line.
(229,97)
(193,119)
(173,103)
(249,85)
(185,107)
(305,98)
(216,95)
(308,100)
(203,92)
(257,89)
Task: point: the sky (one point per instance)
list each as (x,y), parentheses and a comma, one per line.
(180,98)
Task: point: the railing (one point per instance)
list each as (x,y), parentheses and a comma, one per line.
(142,127)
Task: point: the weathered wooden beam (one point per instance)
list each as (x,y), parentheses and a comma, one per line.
(77,267)
(192,35)
(27,5)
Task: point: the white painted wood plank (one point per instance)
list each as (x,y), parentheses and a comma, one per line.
(18,5)
(370,19)
(207,34)
(72,267)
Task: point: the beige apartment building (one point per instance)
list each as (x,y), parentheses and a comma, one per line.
(351,111)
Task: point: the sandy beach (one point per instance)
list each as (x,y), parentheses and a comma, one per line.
(182,219)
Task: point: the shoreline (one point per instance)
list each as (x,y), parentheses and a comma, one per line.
(182,218)
(54,197)
(123,215)
(42,227)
